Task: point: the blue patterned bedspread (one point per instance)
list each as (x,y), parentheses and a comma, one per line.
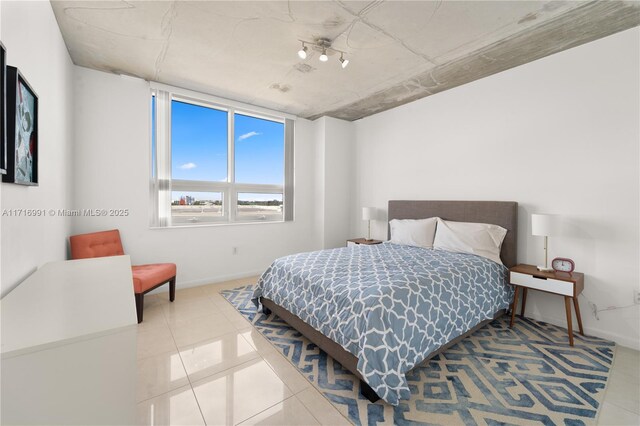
(389,305)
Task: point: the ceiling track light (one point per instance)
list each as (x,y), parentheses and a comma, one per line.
(344,62)
(322,45)
(302,53)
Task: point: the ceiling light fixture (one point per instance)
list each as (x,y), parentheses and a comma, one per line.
(324,57)
(343,61)
(322,45)
(302,53)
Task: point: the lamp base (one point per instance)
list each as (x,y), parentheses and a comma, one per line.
(544,269)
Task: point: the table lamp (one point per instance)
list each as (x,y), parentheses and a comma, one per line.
(542,226)
(368,214)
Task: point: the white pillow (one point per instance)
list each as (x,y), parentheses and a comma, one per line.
(413,232)
(465,237)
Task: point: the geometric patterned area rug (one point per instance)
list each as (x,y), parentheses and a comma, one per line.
(497,376)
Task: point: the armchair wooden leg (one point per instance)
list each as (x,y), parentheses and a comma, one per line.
(172,289)
(139,305)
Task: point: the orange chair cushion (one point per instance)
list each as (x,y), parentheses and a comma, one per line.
(149,276)
(96,244)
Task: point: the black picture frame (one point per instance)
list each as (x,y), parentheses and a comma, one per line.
(21,124)
(3,109)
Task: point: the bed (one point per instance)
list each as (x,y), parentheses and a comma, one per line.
(380,310)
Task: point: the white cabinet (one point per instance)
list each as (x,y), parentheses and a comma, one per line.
(69,345)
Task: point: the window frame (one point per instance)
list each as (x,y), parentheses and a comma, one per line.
(229,188)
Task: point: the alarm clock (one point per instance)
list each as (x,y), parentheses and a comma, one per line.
(562,264)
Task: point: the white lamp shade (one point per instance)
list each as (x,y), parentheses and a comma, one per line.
(368,213)
(542,225)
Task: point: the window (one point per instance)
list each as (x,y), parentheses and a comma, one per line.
(259,150)
(217,163)
(198,142)
(259,206)
(194,207)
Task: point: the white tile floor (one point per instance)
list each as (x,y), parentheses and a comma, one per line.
(201,362)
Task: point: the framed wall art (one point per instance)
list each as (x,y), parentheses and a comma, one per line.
(3,110)
(22,130)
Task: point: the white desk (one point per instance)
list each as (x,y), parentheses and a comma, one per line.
(69,345)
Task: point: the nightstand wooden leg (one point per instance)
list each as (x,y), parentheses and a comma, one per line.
(576,306)
(515,306)
(567,305)
(524,300)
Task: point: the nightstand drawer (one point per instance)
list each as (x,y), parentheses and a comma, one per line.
(544,284)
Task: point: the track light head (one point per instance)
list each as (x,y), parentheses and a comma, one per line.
(324,57)
(302,53)
(344,62)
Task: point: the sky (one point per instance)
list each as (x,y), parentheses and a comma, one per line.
(199,146)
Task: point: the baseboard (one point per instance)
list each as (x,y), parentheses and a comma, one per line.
(590,331)
(203,281)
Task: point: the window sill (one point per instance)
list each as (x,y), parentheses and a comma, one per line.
(207,225)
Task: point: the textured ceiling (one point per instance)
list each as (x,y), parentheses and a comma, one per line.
(399,51)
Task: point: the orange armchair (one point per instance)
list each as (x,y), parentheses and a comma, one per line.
(145,277)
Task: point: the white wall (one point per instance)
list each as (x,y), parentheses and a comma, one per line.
(335,144)
(319,130)
(34,44)
(339,174)
(558,135)
(112,171)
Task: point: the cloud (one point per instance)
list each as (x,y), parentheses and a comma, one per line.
(188,166)
(248,135)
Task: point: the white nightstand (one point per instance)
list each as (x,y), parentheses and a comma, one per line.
(357,241)
(569,285)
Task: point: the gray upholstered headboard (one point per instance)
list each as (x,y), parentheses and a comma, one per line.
(501,213)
